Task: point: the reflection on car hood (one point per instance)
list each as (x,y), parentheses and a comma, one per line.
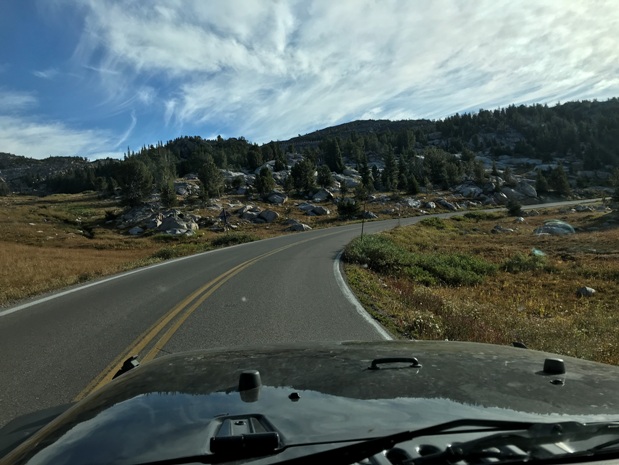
(168,408)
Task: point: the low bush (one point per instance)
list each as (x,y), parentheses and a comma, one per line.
(381,254)
(521,262)
(434,222)
(232,239)
(376,251)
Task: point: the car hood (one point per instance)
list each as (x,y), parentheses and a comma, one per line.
(172,406)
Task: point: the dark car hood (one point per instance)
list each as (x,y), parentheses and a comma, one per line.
(173,405)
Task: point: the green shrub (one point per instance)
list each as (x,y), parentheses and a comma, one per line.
(434,222)
(479,216)
(348,208)
(377,252)
(456,269)
(521,262)
(514,208)
(165,253)
(420,275)
(380,254)
(233,239)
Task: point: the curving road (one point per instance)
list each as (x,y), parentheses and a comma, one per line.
(56,349)
(287,289)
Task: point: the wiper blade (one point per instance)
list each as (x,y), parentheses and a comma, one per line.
(364,448)
(527,444)
(356,449)
(530,435)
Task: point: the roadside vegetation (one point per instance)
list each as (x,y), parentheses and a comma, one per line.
(48,243)
(440,279)
(455,279)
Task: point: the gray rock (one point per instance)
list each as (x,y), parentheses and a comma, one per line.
(269,216)
(511,194)
(136,231)
(412,203)
(555,228)
(348,180)
(299,227)
(469,190)
(320,211)
(369,215)
(448,205)
(306,207)
(526,189)
(322,195)
(430,205)
(277,198)
(585,292)
(250,215)
(174,222)
(179,232)
(500,229)
(500,198)
(350,172)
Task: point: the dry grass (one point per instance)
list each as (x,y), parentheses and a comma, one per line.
(47,243)
(538,306)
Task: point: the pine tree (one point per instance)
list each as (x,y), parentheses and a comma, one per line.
(324,178)
(168,194)
(211,178)
(333,156)
(558,181)
(264,182)
(541,183)
(303,175)
(135,180)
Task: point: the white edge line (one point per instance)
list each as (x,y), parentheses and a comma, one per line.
(341,282)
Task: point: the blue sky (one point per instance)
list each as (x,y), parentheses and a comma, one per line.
(93,77)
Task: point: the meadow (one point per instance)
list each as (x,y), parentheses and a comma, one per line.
(455,279)
(440,279)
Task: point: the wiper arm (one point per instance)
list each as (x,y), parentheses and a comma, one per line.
(526,444)
(356,449)
(363,448)
(530,435)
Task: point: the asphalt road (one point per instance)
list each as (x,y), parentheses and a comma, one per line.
(52,348)
(61,347)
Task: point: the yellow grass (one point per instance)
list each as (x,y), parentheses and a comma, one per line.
(537,307)
(47,243)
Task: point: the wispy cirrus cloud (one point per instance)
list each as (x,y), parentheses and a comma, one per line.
(39,139)
(50,73)
(12,101)
(272,69)
(130,73)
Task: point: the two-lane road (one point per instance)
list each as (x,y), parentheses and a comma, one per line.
(280,290)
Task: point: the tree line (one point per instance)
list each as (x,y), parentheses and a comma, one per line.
(389,156)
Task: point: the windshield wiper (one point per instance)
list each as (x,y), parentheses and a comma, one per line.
(368,447)
(502,446)
(533,443)
(529,436)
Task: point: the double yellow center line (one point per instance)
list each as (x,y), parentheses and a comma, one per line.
(172,320)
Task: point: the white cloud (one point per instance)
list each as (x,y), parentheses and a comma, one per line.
(128,132)
(23,136)
(50,73)
(16,100)
(274,69)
